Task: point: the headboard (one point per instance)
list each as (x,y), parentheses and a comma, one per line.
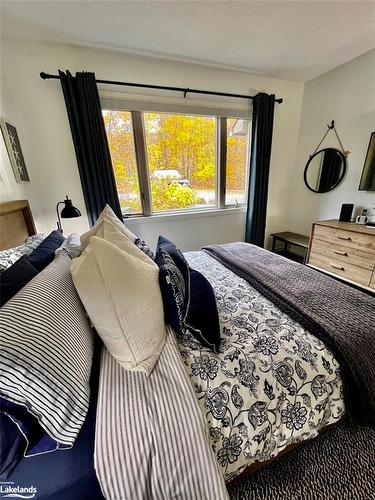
(16,223)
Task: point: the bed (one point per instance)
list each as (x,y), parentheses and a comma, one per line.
(66,474)
(16,223)
(271,385)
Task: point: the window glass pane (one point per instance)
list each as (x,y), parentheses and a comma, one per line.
(181,160)
(237,161)
(119,129)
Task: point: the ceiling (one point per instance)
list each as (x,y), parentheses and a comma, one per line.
(295,40)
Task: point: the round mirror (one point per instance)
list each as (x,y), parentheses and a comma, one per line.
(325,170)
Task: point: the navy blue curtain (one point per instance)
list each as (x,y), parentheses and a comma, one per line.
(261,142)
(90,143)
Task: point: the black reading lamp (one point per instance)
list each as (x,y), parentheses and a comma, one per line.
(68,212)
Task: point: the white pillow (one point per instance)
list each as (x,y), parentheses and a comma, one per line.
(71,245)
(108,214)
(121,295)
(111,232)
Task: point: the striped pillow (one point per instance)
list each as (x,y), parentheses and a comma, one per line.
(46,351)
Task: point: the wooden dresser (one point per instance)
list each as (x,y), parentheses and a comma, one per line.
(344,249)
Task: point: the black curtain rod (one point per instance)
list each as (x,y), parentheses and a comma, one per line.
(46,76)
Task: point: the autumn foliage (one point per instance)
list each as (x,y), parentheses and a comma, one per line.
(182,143)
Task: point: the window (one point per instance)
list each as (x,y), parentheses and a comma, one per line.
(237,161)
(120,135)
(181,160)
(177,162)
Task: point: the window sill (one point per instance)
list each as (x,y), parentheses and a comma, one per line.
(164,217)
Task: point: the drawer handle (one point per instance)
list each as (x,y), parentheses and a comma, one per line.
(348,238)
(340,253)
(340,268)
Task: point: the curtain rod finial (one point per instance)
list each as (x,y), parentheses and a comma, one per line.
(43,75)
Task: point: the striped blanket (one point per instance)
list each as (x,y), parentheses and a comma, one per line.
(151,436)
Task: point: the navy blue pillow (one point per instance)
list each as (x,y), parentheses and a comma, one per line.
(21,435)
(15,277)
(173,289)
(188,298)
(176,255)
(45,252)
(13,445)
(202,312)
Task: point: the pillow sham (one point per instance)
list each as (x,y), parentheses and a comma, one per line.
(13,445)
(45,352)
(174,289)
(188,298)
(16,277)
(142,245)
(9,256)
(122,297)
(71,245)
(21,436)
(109,214)
(111,232)
(203,316)
(34,240)
(45,252)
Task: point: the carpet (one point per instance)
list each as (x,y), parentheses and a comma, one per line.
(337,465)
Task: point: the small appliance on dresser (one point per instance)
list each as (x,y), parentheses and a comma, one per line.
(344,249)
(371,216)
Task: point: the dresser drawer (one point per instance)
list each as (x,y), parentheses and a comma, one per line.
(343,269)
(336,251)
(372,282)
(349,239)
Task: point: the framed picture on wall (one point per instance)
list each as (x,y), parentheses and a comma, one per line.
(13,146)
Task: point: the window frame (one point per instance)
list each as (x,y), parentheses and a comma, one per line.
(248,158)
(137,111)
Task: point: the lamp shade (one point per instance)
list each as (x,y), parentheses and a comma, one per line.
(69,211)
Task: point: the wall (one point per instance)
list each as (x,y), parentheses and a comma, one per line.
(346,95)
(191,231)
(9,189)
(39,113)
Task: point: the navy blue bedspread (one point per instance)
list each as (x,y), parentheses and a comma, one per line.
(66,474)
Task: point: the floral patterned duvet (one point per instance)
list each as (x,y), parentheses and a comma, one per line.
(272,383)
